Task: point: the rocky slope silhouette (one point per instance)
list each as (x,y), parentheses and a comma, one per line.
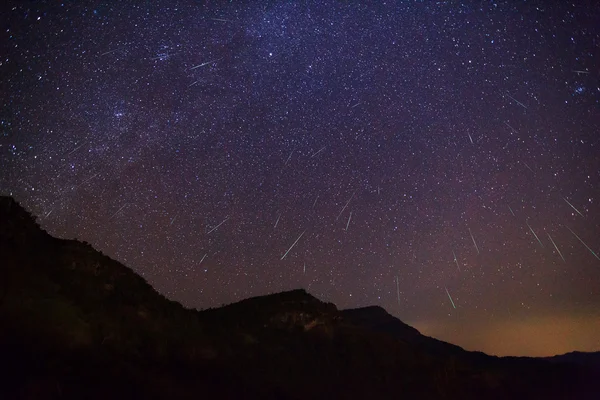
(76,324)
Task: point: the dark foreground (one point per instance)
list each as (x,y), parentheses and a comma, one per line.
(75,324)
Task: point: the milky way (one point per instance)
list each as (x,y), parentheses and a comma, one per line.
(440,160)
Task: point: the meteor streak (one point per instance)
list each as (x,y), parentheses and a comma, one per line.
(573,207)
(511,128)
(89,179)
(451,301)
(587,247)
(322,148)
(511,211)
(118,211)
(516,101)
(528,167)
(276,222)
(556,247)
(76,148)
(292,246)
(348,202)
(217,226)
(536,236)
(456,261)
(205,63)
(108,52)
(288,159)
(472,238)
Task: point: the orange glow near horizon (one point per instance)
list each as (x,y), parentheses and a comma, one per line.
(535,336)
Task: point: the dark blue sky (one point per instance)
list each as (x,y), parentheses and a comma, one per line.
(407,153)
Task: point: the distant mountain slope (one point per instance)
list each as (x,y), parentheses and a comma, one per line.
(76,324)
(579,358)
(378,320)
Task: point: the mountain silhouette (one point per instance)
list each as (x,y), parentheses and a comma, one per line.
(76,324)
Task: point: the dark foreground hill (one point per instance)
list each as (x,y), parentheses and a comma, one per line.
(75,324)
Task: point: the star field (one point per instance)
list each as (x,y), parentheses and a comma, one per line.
(441,160)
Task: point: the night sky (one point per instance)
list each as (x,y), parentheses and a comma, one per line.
(437,159)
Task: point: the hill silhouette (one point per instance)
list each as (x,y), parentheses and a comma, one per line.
(77,324)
